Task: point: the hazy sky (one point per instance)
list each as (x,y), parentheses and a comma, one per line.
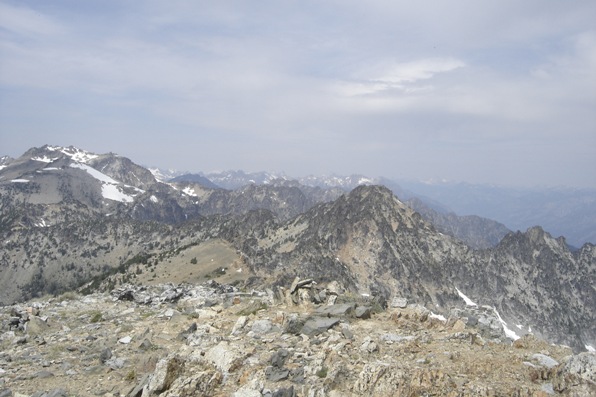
(497,91)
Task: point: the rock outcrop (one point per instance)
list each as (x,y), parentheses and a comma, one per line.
(215,340)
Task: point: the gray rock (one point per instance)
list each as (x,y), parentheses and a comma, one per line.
(583,365)
(105,355)
(36,326)
(260,327)
(56,393)
(394,338)
(284,392)
(369,346)
(225,357)
(401,303)
(548,388)
(138,389)
(297,284)
(278,359)
(363,312)
(125,340)
(240,324)
(115,363)
(317,325)
(6,393)
(341,310)
(346,331)
(146,345)
(545,360)
(166,372)
(293,324)
(276,374)
(43,374)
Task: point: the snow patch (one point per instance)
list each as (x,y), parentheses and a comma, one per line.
(189,191)
(468,301)
(590,348)
(77,155)
(508,332)
(154,199)
(44,159)
(111,192)
(20,180)
(438,317)
(95,173)
(3,167)
(110,188)
(42,223)
(51,169)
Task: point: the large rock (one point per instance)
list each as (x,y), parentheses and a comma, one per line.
(225,357)
(582,365)
(340,310)
(317,325)
(166,372)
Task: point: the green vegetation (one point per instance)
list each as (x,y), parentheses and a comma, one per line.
(96,317)
(322,373)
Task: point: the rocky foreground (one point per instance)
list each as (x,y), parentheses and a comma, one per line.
(307,340)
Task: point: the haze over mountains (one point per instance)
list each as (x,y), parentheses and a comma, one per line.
(69,217)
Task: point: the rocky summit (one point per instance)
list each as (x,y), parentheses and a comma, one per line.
(304,339)
(185,288)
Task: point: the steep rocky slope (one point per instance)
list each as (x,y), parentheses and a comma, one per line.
(378,246)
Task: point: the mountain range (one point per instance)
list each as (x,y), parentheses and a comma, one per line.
(70,219)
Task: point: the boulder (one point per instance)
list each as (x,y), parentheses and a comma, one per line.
(544,360)
(225,357)
(166,372)
(340,310)
(398,302)
(363,312)
(317,325)
(582,365)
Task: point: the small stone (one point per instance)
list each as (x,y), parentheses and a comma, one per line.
(279,358)
(125,340)
(105,355)
(115,363)
(146,345)
(276,374)
(240,324)
(43,374)
(346,331)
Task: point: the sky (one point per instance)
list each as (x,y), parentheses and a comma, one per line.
(498,92)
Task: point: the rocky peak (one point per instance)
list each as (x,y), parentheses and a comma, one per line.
(124,170)
(48,153)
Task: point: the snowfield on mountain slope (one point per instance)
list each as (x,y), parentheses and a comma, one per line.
(110,188)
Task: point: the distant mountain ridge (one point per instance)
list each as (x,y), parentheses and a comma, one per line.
(68,217)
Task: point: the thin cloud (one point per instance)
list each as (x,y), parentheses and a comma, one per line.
(383,87)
